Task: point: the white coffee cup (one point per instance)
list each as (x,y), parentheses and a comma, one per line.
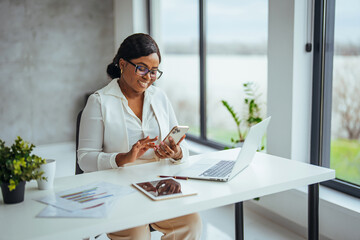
(49,169)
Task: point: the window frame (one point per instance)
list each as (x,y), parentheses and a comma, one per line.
(323,45)
(324,24)
(202,139)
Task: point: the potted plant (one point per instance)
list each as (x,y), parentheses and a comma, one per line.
(253,115)
(16,167)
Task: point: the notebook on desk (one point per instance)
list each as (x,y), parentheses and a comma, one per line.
(225,170)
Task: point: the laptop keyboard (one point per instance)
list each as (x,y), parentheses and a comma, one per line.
(221,169)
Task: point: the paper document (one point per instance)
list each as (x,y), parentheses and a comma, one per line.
(100,211)
(91,200)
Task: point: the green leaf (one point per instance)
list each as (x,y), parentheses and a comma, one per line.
(232,112)
(16,163)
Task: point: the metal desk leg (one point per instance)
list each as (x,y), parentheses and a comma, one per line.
(239,221)
(313,212)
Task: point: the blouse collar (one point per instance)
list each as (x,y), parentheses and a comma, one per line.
(113,88)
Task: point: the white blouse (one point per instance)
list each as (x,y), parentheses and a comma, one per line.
(108,126)
(138,129)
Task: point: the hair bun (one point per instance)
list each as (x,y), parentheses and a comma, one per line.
(113,70)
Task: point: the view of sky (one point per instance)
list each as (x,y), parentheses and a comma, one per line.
(243,20)
(226,20)
(347,21)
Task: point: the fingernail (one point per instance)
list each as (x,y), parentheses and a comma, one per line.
(162,143)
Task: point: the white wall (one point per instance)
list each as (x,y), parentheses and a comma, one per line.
(302,85)
(280,75)
(52,53)
(130,17)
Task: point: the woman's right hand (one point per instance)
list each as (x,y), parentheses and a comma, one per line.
(136,151)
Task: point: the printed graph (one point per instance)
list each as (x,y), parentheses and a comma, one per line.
(86,195)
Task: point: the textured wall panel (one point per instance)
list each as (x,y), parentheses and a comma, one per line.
(52,52)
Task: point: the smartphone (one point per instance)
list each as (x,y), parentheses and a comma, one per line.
(176,133)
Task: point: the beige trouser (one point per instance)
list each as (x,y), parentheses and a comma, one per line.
(181,228)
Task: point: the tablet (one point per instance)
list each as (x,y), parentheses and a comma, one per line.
(152,189)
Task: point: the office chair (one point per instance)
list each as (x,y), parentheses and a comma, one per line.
(77,167)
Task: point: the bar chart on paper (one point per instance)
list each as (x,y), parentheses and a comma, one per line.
(85,197)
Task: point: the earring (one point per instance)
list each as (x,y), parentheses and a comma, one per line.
(121,71)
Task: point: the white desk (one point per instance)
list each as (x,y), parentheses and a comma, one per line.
(266,175)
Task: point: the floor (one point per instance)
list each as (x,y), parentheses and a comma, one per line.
(218,224)
(256,227)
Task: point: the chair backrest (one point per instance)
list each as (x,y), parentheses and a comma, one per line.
(77,167)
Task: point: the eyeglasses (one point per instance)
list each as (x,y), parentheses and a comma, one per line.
(142,71)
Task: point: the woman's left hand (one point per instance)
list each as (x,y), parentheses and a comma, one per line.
(169,151)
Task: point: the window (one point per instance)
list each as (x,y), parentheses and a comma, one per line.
(179,44)
(235,40)
(345,116)
(230,29)
(336,108)
(236,54)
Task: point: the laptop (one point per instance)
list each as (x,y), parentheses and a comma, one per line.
(225,170)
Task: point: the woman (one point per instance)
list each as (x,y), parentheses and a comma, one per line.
(124,122)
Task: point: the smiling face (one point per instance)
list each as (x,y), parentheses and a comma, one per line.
(130,82)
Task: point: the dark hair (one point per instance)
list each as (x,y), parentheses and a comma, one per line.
(134,46)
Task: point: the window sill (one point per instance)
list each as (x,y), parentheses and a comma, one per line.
(197,148)
(335,199)
(348,204)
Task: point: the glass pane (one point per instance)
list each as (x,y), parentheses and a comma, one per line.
(345,121)
(180,60)
(236,54)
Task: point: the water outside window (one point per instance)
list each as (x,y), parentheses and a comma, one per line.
(179,45)
(345,121)
(236,54)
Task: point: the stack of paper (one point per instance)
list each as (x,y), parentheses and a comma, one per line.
(88,201)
